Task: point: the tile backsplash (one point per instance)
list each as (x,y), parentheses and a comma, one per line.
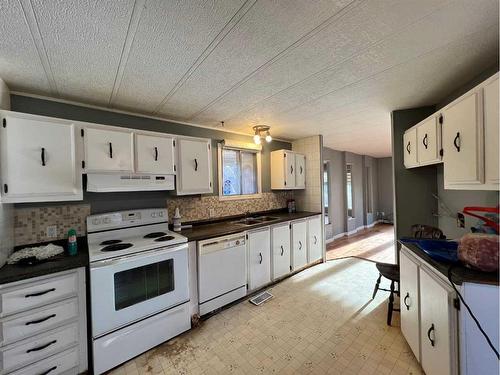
(30,223)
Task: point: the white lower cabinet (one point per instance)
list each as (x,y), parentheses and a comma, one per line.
(259,258)
(314,239)
(280,239)
(299,244)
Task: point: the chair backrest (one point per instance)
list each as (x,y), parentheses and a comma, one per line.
(426,231)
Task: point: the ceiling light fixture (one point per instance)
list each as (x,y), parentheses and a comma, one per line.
(258,130)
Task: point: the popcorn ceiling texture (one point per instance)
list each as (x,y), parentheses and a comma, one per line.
(30,224)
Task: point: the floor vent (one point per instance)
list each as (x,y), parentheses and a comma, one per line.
(261,298)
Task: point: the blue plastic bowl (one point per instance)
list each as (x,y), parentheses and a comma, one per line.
(440,250)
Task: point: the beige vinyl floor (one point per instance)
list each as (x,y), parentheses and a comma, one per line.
(320,321)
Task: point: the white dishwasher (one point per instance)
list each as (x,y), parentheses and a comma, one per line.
(222,271)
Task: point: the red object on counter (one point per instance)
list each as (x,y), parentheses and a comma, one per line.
(480,251)
(488,222)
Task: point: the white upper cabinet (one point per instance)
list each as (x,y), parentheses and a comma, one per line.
(154,154)
(287,170)
(429,141)
(462,141)
(280,238)
(315,243)
(108,150)
(300,171)
(410,148)
(194,175)
(38,159)
(259,258)
(491,133)
(299,244)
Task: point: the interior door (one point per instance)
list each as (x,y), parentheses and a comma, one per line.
(38,159)
(281,250)
(409,300)
(410,148)
(289,169)
(195,165)
(154,154)
(462,142)
(491,133)
(300,171)
(259,258)
(315,243)
(108,150)
(437,329)
(299,244)
(428,141)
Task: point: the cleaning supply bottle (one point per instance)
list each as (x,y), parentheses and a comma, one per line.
(72,244)
(177,220)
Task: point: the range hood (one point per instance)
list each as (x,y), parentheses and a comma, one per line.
(102,183)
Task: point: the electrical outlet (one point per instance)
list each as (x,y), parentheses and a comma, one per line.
(52,231)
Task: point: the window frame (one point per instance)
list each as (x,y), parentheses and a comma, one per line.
(349,169)
(240,148)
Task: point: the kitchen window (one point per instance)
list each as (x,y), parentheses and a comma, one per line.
(349,190)
(239,171)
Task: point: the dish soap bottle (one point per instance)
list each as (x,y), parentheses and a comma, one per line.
(177,220)
(72,245)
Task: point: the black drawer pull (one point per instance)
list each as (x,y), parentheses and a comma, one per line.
(43,156)
(40,320)
(110,150)
(301,169)
(49,370)
(282,250)
(425,141)
(41,347)
(456,142)
(431,329)
(404,301)
(408,147)
(156,153)
(195,164)
(260,261)
(40,293)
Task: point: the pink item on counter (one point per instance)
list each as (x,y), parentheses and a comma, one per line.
(480,251)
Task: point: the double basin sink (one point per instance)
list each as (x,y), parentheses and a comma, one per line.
(249,221)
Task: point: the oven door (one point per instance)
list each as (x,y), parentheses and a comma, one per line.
(131,288)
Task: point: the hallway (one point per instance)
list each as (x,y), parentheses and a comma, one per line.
(374,244)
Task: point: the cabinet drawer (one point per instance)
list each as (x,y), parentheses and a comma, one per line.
(28,324)
(32,295)
(39,347)
(57,364)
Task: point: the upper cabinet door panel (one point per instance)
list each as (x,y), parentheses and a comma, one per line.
(154,154)
(289,169)
(39,160)
(410,148)
(462,141)
(428,141)
(108,150)
(300,171)
(195,163)
(491,134)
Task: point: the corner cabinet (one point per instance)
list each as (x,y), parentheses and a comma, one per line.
(38,159)
(288,170)
(194,174)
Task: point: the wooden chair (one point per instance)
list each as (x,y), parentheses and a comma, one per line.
(391,272)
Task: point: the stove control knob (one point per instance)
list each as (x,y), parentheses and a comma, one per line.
(160,213)
(96,221)
(153,214)
(107,220)
(237,242)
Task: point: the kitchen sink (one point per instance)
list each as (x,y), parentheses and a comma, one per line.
(255,220)
(266,218)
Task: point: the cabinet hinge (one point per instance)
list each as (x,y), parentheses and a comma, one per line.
(4,122)
(456,303)
(83,164)
(285,183)
(82,132)
(284,155)
(441,152)
(209,146)
(290,225)
(174,142)
(210,183)
(5,188)
(246,235)
(290,268)
(175,168)
(441,119)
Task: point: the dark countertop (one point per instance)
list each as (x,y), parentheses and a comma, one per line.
(205,230)
(63,262)
(459,273)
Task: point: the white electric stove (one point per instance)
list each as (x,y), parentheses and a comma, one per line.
(139,284)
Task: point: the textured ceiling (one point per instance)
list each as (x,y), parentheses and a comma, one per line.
(331,67)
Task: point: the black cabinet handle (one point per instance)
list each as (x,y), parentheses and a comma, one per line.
(425,141)
(408,147)
(282,250)
(301,169)
(156,153)
(195,164)
(260,255)
(431,329)
(41,347)
(291,169)
(404,301)
(300,245)
(49,370)
(456,142)
(315,240)
(40,293)
(110,150)
(40,320)
(43,156)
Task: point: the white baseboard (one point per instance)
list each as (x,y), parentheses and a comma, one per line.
(352,232)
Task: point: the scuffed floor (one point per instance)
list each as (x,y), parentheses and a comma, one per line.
(321,321)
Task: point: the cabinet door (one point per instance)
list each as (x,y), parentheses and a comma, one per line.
(299,244)
(315,243)
(491,133)
(281,250)
(438,329)
(300,171)
(289,169)
(259,258)
(410,148)
(38,160)
(108,150)
(195,163)
(462,143)
(428,142)
(409,301)
(154,154)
